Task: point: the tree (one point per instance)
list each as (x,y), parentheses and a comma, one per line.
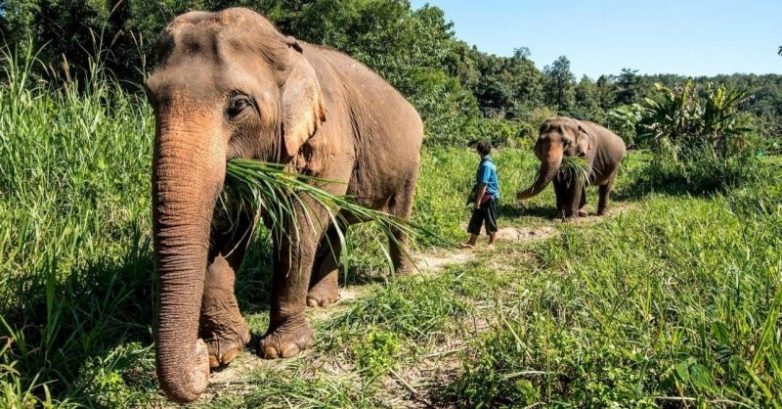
(559,84)
(605,92)
(629,87)
(587,100)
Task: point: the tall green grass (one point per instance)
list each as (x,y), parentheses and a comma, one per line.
(74,222)
(676,304)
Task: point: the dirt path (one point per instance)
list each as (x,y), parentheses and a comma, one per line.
(440,259)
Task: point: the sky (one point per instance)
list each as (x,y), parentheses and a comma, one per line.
(687,37)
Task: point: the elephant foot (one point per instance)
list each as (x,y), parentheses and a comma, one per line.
(404,266)
(582,213)
(287,339)
(404,271)
(225,346)
(323,294)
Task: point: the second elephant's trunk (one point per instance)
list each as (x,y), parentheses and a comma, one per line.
(549,167)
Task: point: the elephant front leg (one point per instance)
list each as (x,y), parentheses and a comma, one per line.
(289,332)
(222,326)
(573,204)
(561,193)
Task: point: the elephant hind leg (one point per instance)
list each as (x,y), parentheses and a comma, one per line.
(582,204)
(605,191)
(401,206)
(324,283)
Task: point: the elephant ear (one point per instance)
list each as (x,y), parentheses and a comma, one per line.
(583,140)
(302,102)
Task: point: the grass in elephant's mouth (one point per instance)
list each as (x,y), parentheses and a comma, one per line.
(287,199)
(574,168)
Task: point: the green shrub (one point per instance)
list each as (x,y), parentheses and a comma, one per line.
(377,352)
(624,121)
(701,140)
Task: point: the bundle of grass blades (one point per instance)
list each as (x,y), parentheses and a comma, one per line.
(279,195)
(573,169)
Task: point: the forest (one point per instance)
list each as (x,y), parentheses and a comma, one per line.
(462,93)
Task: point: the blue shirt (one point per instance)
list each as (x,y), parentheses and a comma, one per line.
(487,175)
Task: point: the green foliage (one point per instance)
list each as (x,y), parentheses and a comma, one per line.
(701,140)
(630,87)
(451,84)
(613,320)
(587,104)
(559,85)
(624,120)
(377,353)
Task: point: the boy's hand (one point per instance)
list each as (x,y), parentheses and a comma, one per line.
(479,196)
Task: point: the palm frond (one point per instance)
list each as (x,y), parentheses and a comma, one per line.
(268,189)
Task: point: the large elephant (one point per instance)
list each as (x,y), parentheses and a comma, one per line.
(601,149)
(230,85)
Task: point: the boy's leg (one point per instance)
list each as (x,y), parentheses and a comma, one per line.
(490,221)
(474,227)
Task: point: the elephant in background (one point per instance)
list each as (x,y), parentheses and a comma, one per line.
(601,149)
(230,85)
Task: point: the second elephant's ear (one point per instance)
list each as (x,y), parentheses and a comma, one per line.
(302,102)
(583,140)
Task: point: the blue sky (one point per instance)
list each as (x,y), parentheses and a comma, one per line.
(689,37)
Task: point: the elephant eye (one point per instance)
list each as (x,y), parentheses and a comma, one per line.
(566,143)
(237,104)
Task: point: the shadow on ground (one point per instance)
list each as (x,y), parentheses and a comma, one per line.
(515,211)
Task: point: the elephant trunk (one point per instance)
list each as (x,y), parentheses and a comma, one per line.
(186,182)
(549,167)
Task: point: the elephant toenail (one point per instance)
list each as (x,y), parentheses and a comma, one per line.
(213,362)
(290,351)
(270,352)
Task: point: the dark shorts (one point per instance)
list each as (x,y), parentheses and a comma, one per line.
(486,215)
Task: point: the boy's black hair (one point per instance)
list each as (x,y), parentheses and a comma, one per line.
(483,147)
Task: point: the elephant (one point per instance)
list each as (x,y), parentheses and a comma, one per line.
(230,85)
(601,149)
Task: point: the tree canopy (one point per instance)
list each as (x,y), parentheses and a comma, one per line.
(459,90)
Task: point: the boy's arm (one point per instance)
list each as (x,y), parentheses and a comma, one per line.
(479,195)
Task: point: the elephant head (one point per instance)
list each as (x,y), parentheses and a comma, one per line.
(559,137)
(228,85)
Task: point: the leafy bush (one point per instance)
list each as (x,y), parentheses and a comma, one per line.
(624,121)
(700,138)
(499,131)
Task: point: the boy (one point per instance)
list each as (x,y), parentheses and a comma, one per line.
(486,192)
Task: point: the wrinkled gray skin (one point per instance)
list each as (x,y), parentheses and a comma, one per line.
(231,86)
(601,149)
